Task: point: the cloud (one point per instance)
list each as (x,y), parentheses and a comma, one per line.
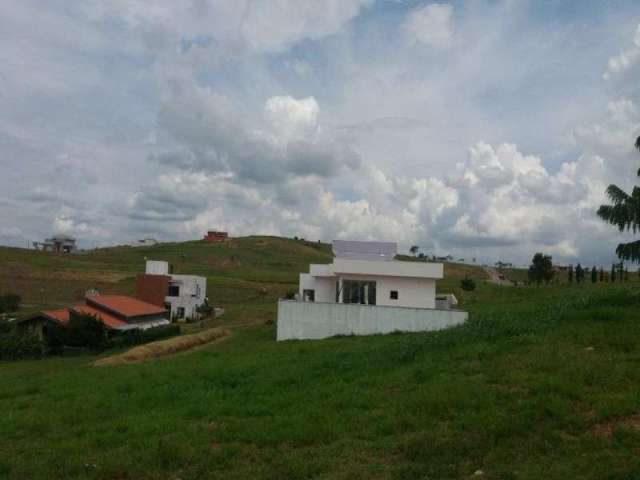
(431,25)
(625,59)
(212,135)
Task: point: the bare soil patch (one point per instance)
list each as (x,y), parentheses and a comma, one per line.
(164,347)
(606,429)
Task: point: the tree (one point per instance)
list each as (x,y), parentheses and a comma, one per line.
(541,269)
(624,213)
(570,274)
(579,274)
(85,331)
(613,273)
(601,274)
(468,284)
(594,275)
(414,250)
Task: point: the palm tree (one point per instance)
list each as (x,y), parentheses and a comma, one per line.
(624,213)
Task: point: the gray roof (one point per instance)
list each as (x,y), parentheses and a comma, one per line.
(381,251)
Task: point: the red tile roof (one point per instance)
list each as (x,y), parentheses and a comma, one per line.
(109,320)
(61,316)
(125,306)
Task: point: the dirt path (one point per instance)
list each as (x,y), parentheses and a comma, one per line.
(163,348)
(497,278)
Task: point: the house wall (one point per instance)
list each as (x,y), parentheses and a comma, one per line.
(312,320)
(412,292)
(325,288)
(193,290)
(152,288)
(156,267)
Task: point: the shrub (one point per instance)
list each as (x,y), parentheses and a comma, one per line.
(10,303)
(85,331)
(290,295)
(17,345)
(468,284)
(137,337)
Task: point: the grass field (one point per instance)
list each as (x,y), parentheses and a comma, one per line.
(541,382)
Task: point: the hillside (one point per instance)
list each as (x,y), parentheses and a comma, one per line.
(245,275)
(541,382)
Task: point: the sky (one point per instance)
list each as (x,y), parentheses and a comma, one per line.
(479,128)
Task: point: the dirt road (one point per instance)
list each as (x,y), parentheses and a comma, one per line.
(497,278)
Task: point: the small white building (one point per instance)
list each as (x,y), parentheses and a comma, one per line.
(365,291)
(184,293)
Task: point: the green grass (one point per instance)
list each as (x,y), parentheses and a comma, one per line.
(520,392)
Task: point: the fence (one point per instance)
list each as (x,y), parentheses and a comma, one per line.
(312,320)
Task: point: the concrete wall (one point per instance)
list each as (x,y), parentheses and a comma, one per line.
(307,320)
(157,267)
(325,288)
(193,290)
(412,292)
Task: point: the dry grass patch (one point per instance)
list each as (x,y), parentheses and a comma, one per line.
(164,347)
(606,429)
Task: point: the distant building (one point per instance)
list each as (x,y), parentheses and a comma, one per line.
(144,242)
(180,294)
(118,313)
(366,291)
(58,243)
(215,236)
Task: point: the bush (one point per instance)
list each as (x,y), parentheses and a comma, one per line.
(468,284)
(85,331)
(17,345)
(137,337)
(10,303)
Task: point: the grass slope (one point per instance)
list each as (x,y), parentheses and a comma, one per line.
(540,382)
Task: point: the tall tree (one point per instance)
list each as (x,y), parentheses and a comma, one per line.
(594,275)
(579,274)
(601,274)
(414,249)
(624,213)
(613,272)
(570,274)
(541,269)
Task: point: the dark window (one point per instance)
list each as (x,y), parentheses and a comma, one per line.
(309,295)
(393,295)
(357,291)
(174,291)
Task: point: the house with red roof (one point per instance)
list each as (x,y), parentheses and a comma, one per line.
(118,313)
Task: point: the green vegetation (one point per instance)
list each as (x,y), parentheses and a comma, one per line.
(541,269)
(541,382)
(467,284)
(624,213)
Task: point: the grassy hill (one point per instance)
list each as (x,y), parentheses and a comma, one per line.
(541,382)
(245,275)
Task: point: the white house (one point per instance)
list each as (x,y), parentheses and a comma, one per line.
(365,291)
(183,294)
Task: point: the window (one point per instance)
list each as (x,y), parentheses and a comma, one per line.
(393,294)
(309,295)
(180,313)
(358,291)
(174,291)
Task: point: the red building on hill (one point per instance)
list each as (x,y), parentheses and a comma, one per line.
(215,236)
(118,313)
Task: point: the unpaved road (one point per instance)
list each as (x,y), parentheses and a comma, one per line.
(496,277)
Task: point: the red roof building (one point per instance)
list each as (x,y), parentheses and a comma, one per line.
(117,312)
(214,236)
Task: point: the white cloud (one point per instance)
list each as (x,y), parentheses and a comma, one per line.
(625,59)
(431,25)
